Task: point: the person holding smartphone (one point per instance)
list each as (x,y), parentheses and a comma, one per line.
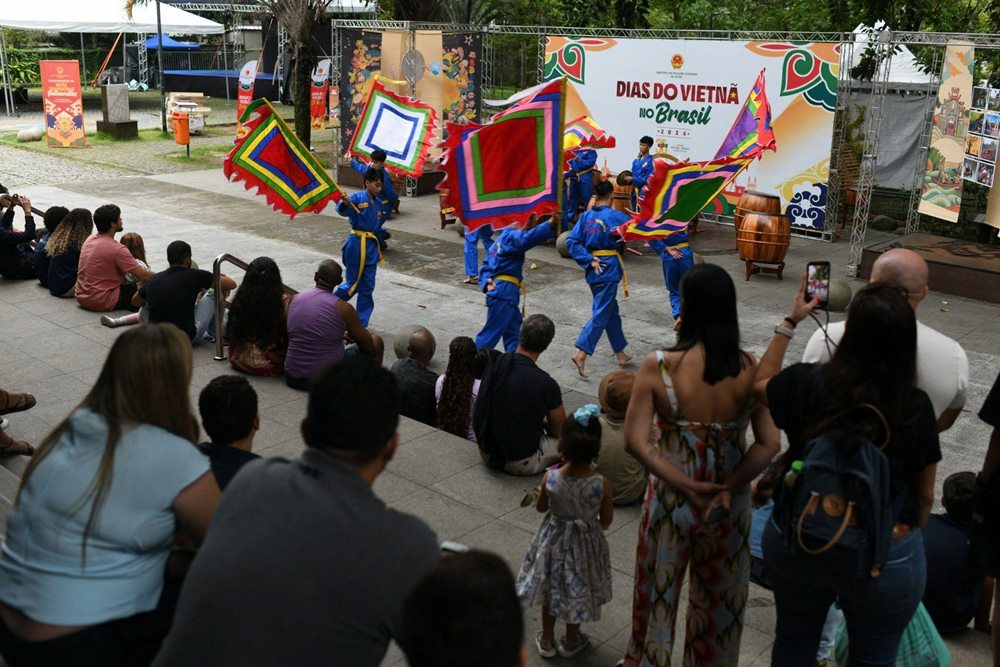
(593,244)
(17,261)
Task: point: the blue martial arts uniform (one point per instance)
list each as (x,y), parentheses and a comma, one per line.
(504,264)
(388,196)
(674,268)
(582,167)
(482,234)
(591,238)
(642,169)
(360,252)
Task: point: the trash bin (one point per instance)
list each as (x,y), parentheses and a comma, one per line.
(182,133)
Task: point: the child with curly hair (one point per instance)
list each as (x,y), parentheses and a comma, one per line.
(567,569)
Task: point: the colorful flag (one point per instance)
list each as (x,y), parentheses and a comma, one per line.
(402,127)
(751,132)
(502,172)
(583,132)
(273,159)
(676,193)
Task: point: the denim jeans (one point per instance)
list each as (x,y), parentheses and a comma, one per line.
(877,610)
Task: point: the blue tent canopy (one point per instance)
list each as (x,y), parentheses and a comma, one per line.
(171,44)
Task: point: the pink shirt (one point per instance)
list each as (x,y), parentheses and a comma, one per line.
(103,265)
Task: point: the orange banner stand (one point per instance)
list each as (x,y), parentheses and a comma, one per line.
(63,100)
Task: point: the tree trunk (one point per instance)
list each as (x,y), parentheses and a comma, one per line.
(301,90)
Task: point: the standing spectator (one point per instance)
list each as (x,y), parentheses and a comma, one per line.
(874,365)
(987,532)
(319,324)
(257,328)
(457,389)
(100,282)
(954,582)
(171,295)
(464,611)
(942,365)
(309,539)
(17,261)
(701,393)
(567,570)
(53,216)
(626,475)
(517,402)
(416,381)
(63,249)
(228,409)
(83,560)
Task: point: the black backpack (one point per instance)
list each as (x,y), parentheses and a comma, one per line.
(839,495)
(496,373)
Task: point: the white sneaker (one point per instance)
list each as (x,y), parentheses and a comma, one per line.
(107,321)
(4,423)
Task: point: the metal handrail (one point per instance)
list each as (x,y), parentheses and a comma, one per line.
(221,303)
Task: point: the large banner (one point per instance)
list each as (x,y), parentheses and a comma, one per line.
(941,196)
(63,100)
(317,94)
(686,95)
(244,94)
(464,75)
(361,60)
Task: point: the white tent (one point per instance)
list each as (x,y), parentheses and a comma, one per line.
(103,16)
(903,67)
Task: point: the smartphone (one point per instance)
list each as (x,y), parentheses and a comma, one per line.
(818,282)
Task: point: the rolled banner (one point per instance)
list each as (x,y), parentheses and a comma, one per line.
(244,94)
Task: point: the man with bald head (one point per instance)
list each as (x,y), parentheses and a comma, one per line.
(323,329)
(416,381)
(942,366)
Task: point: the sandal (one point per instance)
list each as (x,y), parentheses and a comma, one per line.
(14,402)
(571,651)
(580,365)
(470,280)
(7,445)
(546,647)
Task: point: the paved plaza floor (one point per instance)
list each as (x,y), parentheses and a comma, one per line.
(53,349)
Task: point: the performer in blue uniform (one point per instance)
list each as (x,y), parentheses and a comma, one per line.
(642,169)
(482,235)
(361,251)
(501,279)
(593,243)
(579,185)
(388,198)
(675,253)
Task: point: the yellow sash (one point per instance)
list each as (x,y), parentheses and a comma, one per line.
(514,281)
(615,253)
(364,247)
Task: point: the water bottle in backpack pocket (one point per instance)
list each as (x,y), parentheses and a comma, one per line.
(839,497)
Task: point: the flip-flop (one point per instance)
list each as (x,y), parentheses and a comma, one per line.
(25,402)
(572,651)
(579,368)
(550,652)
(628,358)
(28,449)
(470,280)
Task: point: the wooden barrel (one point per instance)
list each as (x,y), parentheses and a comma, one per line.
(620,198)
(763,237)
(752,200)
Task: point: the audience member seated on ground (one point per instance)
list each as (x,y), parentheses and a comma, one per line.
(319,325)
(464,611)
(954,581)
(257,328)
(63,249)
(100,281)
(82,566)
(942,365)
(304,565)
(626,475)
(228,408)
(171,295)
(457,389)
(416,381)
(987,532)
(873,367)
(17,259)
(137,247)
(53,216)
(518,402)
(11,402)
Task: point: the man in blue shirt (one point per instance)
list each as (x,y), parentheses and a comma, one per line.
(501,279)
(675,253)
(642,169)
(593,244)
(388,197)
(361,252)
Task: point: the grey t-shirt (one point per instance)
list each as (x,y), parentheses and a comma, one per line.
(303,565)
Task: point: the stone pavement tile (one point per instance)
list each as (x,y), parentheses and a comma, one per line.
(616,614)
(623,543)
(761,613)
(449,518)
(57,389)
(434,457)
(753,644)
(394,656)
(271,391)
(489,491)
(391,488)
(969,648)
(273,433)
(23,372)
(411,429)
(51,413)
(290,449)
(290,414)
(573,399)
(498,536)
(526,518)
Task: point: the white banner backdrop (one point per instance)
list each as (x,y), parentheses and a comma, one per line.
(686,94)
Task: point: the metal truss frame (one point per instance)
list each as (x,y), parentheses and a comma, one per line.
(923,145)
(835,183)
(143,60)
